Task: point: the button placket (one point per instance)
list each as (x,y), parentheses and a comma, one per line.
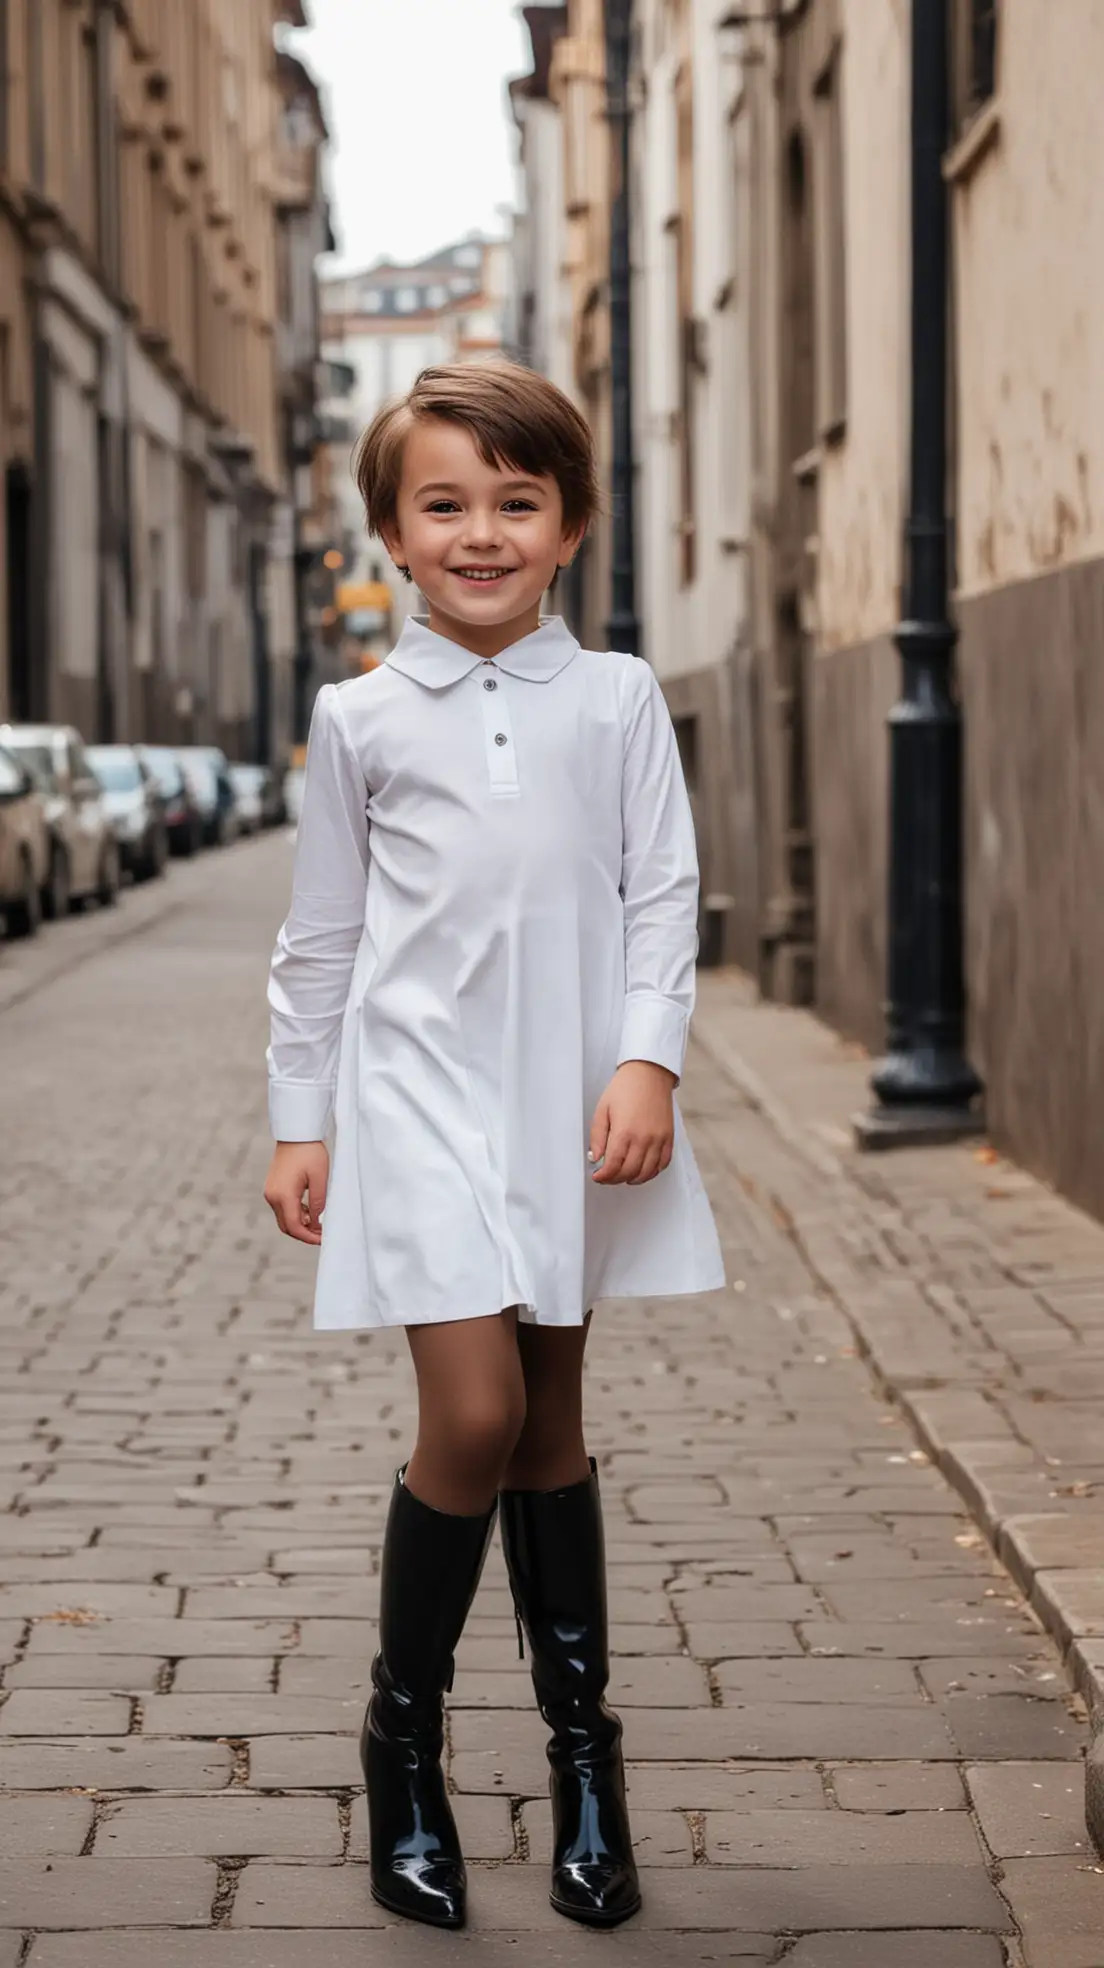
(499,739)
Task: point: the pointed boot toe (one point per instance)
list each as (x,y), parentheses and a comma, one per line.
(432,1891)
(597,1893)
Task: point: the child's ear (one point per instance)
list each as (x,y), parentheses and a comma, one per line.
(570,544)
(392,540)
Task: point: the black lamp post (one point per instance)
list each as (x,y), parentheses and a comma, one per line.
(925,1088)
(624,629)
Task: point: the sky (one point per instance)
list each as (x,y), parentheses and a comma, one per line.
(422,143)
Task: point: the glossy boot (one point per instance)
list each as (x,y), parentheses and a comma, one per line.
(555,1555)
(431,1567)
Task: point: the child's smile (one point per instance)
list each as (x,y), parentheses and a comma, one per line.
(482,540)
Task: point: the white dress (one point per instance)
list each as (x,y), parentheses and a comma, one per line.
(494,904)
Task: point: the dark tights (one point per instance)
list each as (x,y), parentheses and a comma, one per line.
(500,1406)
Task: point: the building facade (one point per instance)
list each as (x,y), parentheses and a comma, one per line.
(140,426)
(771,265)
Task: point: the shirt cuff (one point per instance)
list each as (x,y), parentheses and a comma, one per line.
(654,1029)
(299,1110)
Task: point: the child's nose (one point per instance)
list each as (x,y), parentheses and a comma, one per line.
(482,529)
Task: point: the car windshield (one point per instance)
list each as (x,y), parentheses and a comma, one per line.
(247,778)
(10,779)
(117,771)
(38,760)
(165,767)
(201,774)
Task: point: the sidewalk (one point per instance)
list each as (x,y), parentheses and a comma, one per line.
(850,1743)
(975,1293)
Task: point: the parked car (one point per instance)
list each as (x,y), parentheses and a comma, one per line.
(24,847)
(248,782)
(84,853)
(258,796)
(208,776)
(293,794)
(183,822)
(134,801)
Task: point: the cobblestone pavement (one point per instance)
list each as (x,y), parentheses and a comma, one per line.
(851,1744)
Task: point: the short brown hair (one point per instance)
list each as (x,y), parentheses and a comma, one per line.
(515,416)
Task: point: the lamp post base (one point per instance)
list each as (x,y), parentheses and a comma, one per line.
(907,1126)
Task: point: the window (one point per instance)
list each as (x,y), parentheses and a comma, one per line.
(468,256)
(686,738)
(974,56)
(11,779)
(983,49)
(371,300)
(578,108)
(831,283)
(688,340)
(406,300)
(5,84)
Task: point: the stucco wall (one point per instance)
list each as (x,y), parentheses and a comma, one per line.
(861,479)
(1029,269)
(852,693)
(1033,699)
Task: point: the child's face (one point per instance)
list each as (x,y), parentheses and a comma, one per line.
(483,542)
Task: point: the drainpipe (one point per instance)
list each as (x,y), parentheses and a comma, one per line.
(623,630)
(925,1089)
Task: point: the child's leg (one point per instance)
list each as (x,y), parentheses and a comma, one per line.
(550,1451)
(471,1410)
(551,1520)
(471,1405)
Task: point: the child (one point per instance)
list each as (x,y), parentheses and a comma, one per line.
(484,985)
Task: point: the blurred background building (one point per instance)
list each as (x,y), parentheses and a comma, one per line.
(381,327)
(161,208)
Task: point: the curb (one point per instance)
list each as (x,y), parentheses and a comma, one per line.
(973,1447)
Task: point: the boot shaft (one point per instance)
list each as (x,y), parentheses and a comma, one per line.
(555,1556)
(431,1567)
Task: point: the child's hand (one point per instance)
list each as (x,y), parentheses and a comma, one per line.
(295,1189)
(634,1124)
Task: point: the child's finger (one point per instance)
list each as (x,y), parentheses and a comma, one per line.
(649,1167)
(316,1203)
(618,1149)
(599,1130)
(288,1211)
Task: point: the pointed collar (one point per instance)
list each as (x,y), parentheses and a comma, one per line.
(435,661)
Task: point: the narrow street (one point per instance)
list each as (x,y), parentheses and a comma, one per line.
(851,1743)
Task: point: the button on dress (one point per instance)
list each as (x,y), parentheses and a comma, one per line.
(494,904)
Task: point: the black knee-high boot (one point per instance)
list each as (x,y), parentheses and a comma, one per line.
(431,1567)
(555,1555)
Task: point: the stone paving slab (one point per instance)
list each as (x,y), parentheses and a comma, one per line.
(234,1826)
(77,1893)
(897,1951)
(400,1947)
(811,1639)
(31,1827)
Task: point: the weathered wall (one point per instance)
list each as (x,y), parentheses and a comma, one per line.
(1029,271)
(1033,698)
(715,718)
(861,479)
(852,692)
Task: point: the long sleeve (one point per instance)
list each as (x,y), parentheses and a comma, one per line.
(312,965)
(659,884)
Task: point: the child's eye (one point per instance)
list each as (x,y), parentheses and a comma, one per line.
(519,505)
(443,506)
